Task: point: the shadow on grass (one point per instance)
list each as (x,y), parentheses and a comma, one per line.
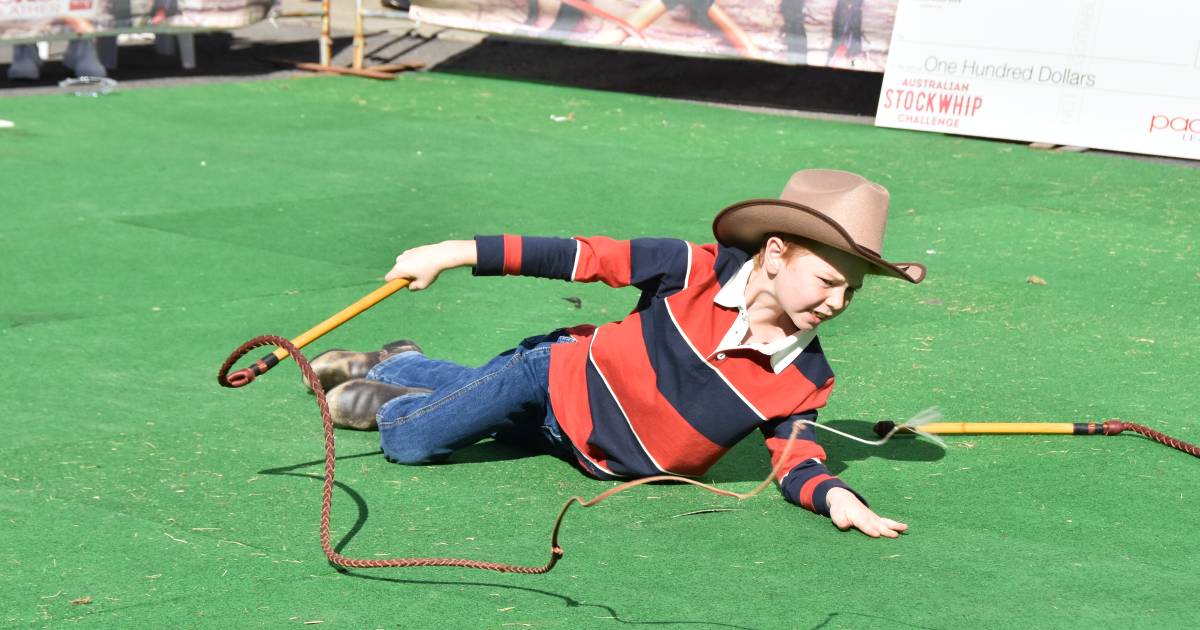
(749,461)
(485,451)
(833,617)
(489,451)
(901,448)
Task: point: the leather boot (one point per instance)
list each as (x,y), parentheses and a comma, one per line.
(353,404)
(336,366)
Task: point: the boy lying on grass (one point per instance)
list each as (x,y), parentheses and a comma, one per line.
(723,341)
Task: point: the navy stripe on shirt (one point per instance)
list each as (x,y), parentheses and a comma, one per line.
(546,257)
(729,262)
(720,414)
(668,258)
(490,256)
(813,365)
(657,255)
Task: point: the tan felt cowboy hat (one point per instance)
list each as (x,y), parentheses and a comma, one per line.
(839,209)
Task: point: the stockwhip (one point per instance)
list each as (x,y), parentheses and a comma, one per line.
(286,348)
(925,424)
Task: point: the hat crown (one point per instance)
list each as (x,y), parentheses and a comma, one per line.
(857,204)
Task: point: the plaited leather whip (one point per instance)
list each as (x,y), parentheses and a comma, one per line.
(287,348)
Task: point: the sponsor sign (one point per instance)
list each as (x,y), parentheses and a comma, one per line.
(42,9)
(1102,74)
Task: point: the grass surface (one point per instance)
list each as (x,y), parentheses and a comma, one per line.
(146,234)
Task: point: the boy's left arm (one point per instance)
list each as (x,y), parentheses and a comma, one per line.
(805,481)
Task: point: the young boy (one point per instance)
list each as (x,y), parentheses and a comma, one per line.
(722,342)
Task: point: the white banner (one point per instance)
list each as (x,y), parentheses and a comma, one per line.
(849,34)
(1104,74)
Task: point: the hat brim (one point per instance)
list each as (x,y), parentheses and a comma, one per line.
(744,224)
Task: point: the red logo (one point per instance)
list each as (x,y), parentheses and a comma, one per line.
(1181,124)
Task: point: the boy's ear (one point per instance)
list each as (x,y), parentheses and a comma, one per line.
(773,254)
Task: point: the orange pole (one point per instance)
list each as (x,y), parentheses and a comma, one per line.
(344,315)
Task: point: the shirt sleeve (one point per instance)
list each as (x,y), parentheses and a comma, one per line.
(642,262)
(804,480)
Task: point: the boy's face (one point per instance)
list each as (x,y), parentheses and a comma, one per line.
(812,288)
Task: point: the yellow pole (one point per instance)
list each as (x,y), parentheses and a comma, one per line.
(326,46)
(344,315)
(955,428)
(360,40)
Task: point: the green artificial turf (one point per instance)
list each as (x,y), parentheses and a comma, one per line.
(145,234)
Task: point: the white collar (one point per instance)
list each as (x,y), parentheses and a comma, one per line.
(783,351)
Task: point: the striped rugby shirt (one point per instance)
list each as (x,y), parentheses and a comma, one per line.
(649,395)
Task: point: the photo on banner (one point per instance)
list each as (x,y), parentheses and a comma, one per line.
(23,21)
(847,34)
(1101,74)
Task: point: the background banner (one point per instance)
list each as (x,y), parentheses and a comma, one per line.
(1103,74)
(851,34)
(32,20)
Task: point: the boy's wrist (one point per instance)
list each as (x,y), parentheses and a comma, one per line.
(837,495)
(460,253)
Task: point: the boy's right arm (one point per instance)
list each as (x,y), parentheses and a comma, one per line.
(423,264)
(654,264)
(648,263)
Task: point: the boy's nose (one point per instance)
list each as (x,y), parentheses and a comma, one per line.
(836,301)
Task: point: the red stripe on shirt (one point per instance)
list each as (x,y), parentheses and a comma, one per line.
(703,323)
(569,396)
(603,259)
(512,255)
(801,450)
(703,259)
(806,491)
(774,395)
(620,354)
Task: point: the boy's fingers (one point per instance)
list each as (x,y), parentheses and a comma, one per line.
(890,528)
(868,527)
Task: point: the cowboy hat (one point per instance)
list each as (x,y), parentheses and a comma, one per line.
(836,208)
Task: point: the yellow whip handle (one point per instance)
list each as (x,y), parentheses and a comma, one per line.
(959,428)
(344,315)
(260,367)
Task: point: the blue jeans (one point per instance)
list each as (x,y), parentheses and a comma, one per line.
(507,398)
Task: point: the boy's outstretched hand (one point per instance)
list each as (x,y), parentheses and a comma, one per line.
(847,511)
(423,264)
